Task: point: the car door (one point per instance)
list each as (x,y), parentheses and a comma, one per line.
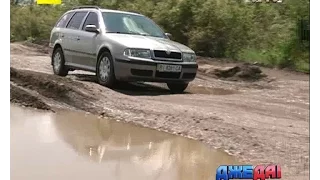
(88,42)
(58,33)
(71,38)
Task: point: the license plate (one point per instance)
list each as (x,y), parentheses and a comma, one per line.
(168,68)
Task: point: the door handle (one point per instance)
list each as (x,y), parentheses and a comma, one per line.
(78,38)
(62,35)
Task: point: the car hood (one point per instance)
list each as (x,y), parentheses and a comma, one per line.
(148,42)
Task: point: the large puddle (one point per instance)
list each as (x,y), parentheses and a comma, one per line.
(69,145)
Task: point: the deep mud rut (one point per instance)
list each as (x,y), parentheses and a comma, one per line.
(265,121)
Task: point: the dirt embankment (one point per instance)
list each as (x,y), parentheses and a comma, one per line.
(259,115)
(29,86)
(244,72)
(21,96)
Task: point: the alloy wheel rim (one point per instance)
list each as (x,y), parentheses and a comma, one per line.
(57,61)
(104,68)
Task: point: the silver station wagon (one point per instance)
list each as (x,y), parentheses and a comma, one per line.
(119,46)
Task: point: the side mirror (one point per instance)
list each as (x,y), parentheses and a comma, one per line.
(91,28)
(168,35)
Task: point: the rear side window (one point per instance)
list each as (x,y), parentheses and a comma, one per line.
(92,19)
(76,20)
(64,20)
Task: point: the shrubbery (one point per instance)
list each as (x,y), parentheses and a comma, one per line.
(265,33)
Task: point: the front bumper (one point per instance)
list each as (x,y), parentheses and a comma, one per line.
(142,70)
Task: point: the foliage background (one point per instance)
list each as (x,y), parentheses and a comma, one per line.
(266,33)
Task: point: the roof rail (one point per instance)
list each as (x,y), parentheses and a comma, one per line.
(86,7)
(135,12)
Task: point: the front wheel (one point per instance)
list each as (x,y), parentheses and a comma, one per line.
(177,87)
(105,70)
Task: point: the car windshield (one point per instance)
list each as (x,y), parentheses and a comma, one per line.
(131,24)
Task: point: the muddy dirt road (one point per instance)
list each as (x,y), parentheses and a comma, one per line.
(265,121)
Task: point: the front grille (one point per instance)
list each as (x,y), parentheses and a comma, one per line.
(169,75)
(163,54)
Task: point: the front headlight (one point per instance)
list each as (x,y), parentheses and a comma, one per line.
(189,57)
(139,53)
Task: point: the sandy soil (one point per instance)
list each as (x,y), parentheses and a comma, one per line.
(261,121)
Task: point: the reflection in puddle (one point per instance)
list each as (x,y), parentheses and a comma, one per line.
(74,146)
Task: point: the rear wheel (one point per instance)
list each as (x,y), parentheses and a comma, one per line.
(58,63)
(177,87)
(105,70)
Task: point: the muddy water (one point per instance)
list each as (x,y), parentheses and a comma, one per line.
(65,145)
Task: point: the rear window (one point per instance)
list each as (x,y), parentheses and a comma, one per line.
(64,20)
(76,20)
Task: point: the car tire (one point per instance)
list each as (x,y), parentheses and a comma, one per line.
(105,70)
(177,87)
(58,63)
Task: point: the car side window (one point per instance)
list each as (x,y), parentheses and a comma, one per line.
(76,20)
(64,20)
(92,19)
